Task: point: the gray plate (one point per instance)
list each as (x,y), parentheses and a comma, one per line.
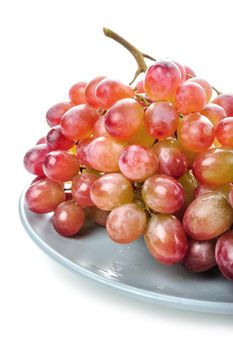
(130,267)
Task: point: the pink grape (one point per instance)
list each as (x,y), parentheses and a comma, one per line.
(226,102)
(224,132)
(78,122)
(81,187)
(61,166)
(205,85)
(57,141)
(200,255)
(90,94)
(124,118)
(189,72)
(110,191)
(214,113)
(195,132)
(208,216)
(126,223)
(103,154)
(165,239)
(99,128)
(214,167)
(138,163)
(190,97)
(189,184)
(230,196)
(172,161)
(163,194)
(161,119)
(203,189)
(42,140)
(55,113)
(109,91)
(68,218)
(141,137)
(77,93)
(81,151)
(223,254)
(162,80)
(98,216)
(140,87)
(181,69)
(34,158)
(44,195)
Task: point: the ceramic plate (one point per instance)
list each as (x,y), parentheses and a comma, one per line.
(130,267)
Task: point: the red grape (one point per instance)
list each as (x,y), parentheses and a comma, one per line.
(214,113)
(60,166)
(98,216)
(196,132)
(165,239)
(99,128)
(68,218)
(77,93)
(126,223)
(163,194)
(230,196)
(110,191)
(200,255)
(190,97)
(205,85)
(109,91)
(91,97)
(189,72)
(140,87)
(208,216)
(81,151)
(42,140)
(55,113)
(81,187)
(226,102)
(161,119)
(181,69)
(223,254)
(103,154)
(214,167)
(141,137)
(162,80)
(78,122)
(43,196)
(34,158)
(138,163)
(124,118)
(224,132)
(203,189)
(57,141)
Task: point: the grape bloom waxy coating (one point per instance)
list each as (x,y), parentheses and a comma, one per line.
(152,158)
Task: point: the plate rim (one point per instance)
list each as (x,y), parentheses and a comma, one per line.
(158,298)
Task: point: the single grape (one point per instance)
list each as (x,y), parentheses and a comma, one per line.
(161,119)
(181,69)
(195,132)
(190,97)
(223,254)
(57,141)
(44,195)
(226,102)
(111,191)
(81,151)
(214,167)
(98,216)
(224,132)
(141,137)
(81,187)
(77,93)
(126,223)
(99,128)
(124,118)
(60,166)
(162,80)
(109,91)
(214,113)
(42,140)
(172,161)
(200,255)
(140,86)
(68,218)
(55,113)
(189,72)
(203,189)
(165,239)
(208,216)
(34,158)
(205,85)
(138,163)
(78,122)
(163,194)
(91,97)
(103,154)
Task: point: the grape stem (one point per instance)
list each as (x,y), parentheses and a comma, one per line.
(137,54)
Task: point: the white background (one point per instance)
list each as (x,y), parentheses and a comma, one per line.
(46,46)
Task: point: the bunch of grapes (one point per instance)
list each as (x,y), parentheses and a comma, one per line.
(155,159)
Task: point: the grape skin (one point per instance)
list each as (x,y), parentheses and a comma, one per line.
(55,113)
(77,93)
(224,132)
(81,187)
(226,102)
(223,254)
(34,158)
(214,113)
